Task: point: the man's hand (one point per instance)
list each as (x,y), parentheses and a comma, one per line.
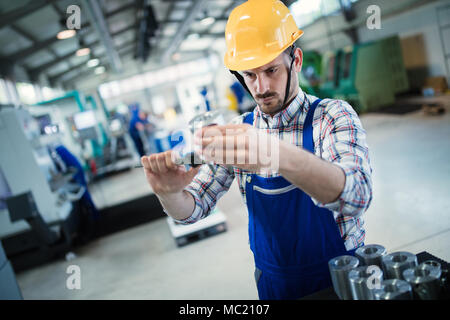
(168,181)
(164,176)
(250,149)
(239,145)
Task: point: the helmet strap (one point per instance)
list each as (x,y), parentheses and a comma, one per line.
(241,80)
(288,85)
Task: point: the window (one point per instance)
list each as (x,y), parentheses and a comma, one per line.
(306,12)
(26,93)
(3,93)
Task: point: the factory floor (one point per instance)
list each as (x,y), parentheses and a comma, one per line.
(410,211)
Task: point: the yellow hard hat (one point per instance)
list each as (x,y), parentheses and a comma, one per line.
(257,32)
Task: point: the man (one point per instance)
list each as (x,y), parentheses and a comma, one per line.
(138,122)
(310,209)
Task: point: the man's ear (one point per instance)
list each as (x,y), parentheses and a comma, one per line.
(298,53)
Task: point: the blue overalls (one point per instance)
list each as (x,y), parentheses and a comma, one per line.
(292,239)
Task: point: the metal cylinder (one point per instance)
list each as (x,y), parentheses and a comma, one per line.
(339,268)
(363,281)
(370,254)
(393,289)
(394,264)
(425,281)
(432,263)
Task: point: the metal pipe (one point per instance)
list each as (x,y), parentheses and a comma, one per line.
(425,281)
(182,30)
(97,20)
(396,262)
(359,280)
(370,254)
(393,289)
(339,268)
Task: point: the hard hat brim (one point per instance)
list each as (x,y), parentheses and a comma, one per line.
(256,60)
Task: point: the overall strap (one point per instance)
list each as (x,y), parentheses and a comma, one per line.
(308,141)
(249,118)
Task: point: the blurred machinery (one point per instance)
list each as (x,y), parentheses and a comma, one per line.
(92,134)
(9,290)
(309,78)
(367,75)
(37,219)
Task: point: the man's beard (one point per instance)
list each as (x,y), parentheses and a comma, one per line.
(276,104)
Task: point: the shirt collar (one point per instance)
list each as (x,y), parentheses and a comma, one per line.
(288,113)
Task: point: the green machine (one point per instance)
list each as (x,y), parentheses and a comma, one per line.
(71,103)
(368,75)
(309,78)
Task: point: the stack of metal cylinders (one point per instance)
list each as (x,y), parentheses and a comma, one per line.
(371,254)
(339,268)
(425,280)
(363,280)
(395,263)
(393,289)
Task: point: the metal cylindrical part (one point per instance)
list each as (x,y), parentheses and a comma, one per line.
(339,268)
(363,280)
(393,289)
(394,264)
(425,281)
(432,263)
(370,254)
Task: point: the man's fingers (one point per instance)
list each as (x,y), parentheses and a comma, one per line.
(152,162)
(169,159)
(193,171)
(161,162)
(145,163)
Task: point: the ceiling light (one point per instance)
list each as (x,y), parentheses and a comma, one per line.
(83,52)
(65,34)
(207,21)
(99,70)
(176,56)
(193,36)
(93,63)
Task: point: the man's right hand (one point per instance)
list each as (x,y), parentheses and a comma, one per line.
(164,176)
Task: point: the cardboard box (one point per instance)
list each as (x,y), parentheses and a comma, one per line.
(438,84)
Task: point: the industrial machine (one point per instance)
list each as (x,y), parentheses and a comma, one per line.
(36,202)
(367,75)
(90,132)
(309,77)
(9,289)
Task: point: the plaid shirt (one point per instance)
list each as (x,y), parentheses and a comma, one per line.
(338,138)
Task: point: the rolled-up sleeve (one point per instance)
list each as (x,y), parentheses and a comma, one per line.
(207,188)
(344,144)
